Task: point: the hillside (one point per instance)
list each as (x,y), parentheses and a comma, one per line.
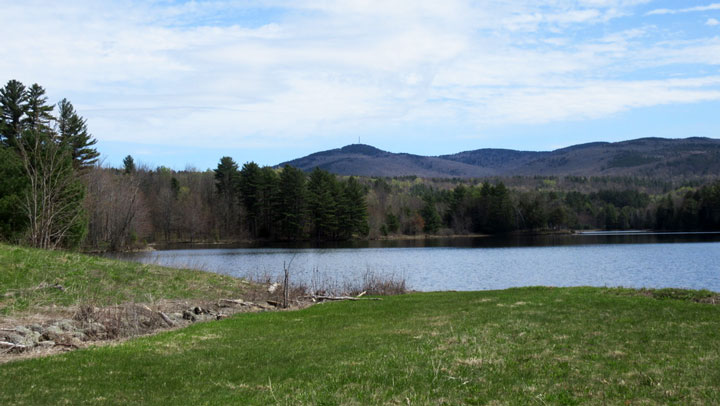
(640,157)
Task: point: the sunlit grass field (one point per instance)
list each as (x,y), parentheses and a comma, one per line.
(32,279)
(528,346)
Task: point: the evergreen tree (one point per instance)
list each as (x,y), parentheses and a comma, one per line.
(430,216)
(292,203)
(355,209)
(53,199)
(37,112)
(392,222)
(267,199)
(227,178)
(13,186)
(322,205)
(250,181)
(13,99)
(128,165)
(72,131)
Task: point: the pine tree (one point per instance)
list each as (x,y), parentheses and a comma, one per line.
(268,194)
(13,186)
(128,165)
(292,203)
(13,99)
(72,131)
(356,209)
(250,180)
(322,204)
(38,114)
(226,177)
(430,216)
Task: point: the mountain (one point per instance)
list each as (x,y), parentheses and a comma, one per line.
(640,157)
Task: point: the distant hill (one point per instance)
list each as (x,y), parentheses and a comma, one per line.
(640,157)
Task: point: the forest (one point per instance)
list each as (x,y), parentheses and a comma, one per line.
(55,193)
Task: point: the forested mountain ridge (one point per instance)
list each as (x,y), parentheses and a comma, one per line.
(639,157)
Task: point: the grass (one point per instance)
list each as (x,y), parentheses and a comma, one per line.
(28,277)
(528,346)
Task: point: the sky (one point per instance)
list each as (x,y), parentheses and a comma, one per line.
(184,83)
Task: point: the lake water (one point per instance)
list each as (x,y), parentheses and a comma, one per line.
(594,259)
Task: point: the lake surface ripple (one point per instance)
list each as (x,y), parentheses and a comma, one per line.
(630,260)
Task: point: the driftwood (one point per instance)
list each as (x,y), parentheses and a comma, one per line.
(166,319)
(12,346)
(323,298)
(240,302)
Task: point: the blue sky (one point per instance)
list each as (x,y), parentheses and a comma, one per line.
(183,83)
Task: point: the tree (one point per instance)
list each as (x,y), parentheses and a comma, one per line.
(250,180)
(72,131)
(322,204)
(37,112)
(129,165)
(292,203)
(354,209)
(431,218)
(392,223)
(53,200)
(52,197)
(227,178)
(13,100)
(13,186)
(115,207)
(267,201)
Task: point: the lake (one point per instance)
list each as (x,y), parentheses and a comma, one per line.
(652,260)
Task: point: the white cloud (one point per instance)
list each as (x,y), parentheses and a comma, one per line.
(712,22)
(191,73)
(661,11)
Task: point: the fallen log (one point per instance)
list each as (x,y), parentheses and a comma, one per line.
(322,298)
(12,346)
(241,302)
(166,319)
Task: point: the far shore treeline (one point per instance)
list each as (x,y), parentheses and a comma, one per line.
(54,193)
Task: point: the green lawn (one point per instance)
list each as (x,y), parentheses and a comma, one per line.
(27,277)
(529,346)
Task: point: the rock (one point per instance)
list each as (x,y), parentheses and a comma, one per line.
(66,325)
(29,341)
(96,330)
(36,328)
(46,344)
(53,331)
(188,316)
